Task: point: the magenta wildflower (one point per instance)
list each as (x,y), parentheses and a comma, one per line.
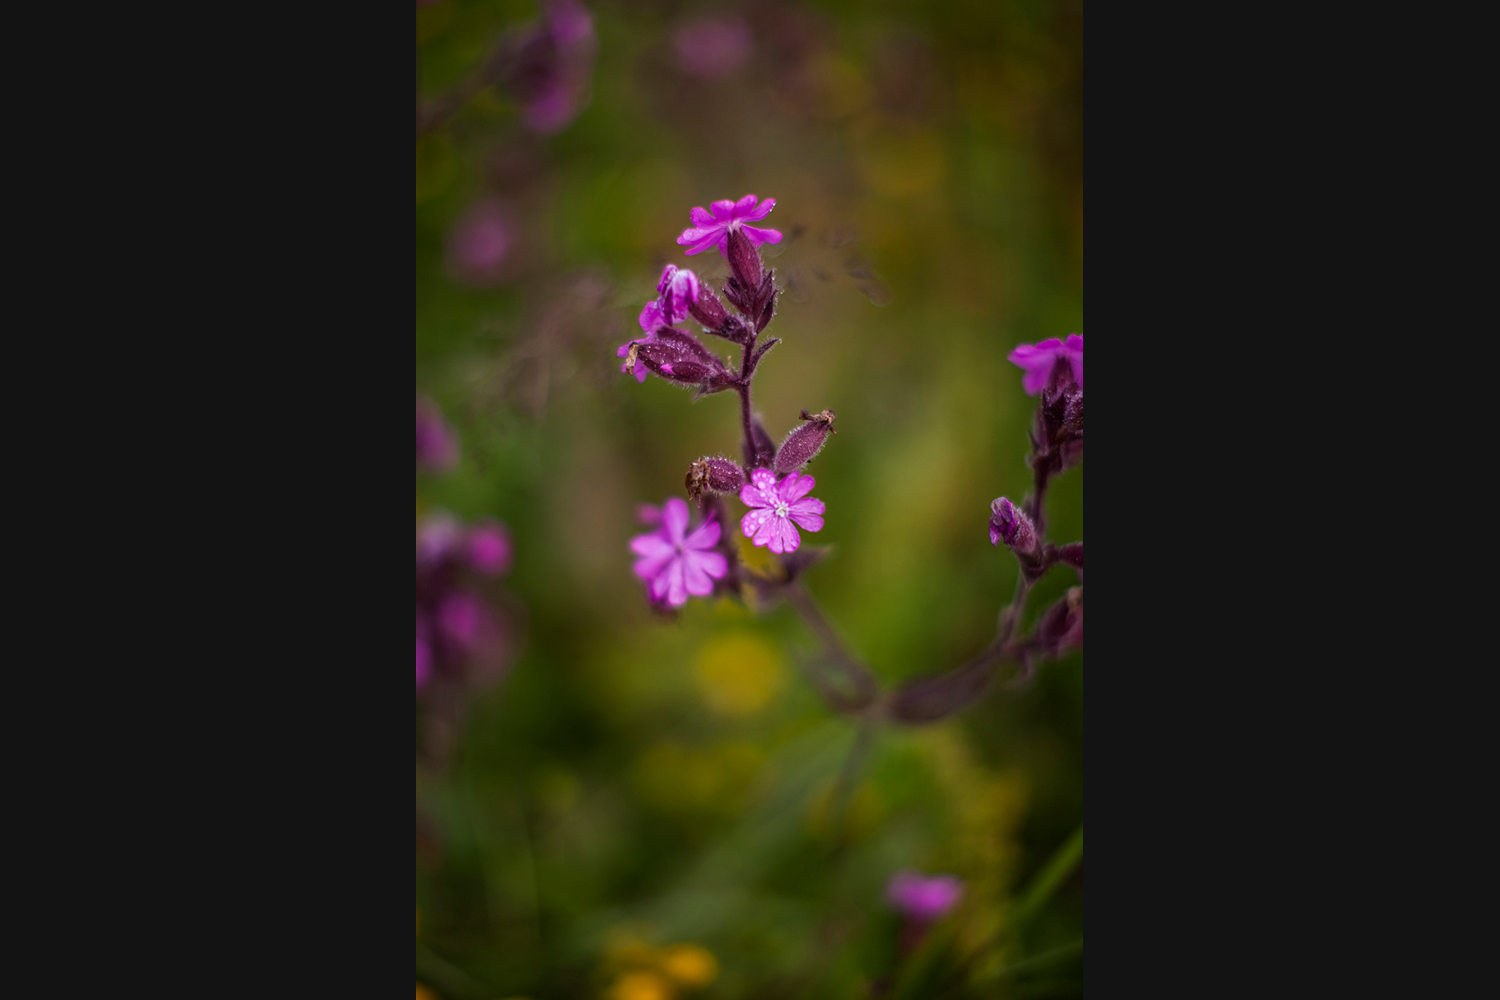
(675,563)
(481,243)
(921,898)
(775,506)
(1039,360)
(713,229)
(676,293)
(713,47)
(489,548)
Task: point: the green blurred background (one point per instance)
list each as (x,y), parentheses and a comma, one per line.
(637,783)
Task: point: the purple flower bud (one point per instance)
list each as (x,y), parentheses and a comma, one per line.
(437,446)
(805,441)
(744,260)
(921,898)
(489,548)
(1010,524)
(1061,626)
(714,474)
(765,448)
(678,357)
(713,47)
(708,310)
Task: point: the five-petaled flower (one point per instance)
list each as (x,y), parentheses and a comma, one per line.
(675,562)
(774,508)
(1038,361)
(712,229)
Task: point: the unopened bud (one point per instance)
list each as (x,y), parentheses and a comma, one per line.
(675,360)
(765,448)
(714,474)
(708,310)
(804,442)
(744,260)
(1009,523)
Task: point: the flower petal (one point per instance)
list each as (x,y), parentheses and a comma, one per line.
(674,519)
(752,522)
(760,491)
(677,593)
(769,532)
(666,278)
(809,513)
(723,210)
(650,318)
(650,569)
(786,539)
(652,546)
(696,580)
(659,585)
(761,211)
(713,563)
(701,218)
(704,537)
(794,486)
(759,236)
(744,206)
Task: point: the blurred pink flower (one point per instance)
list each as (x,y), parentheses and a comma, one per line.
(481,242)
(553,67)
(921,898)
(1038,361)
(437,445)
(774,508)
(675,563)
(489,548)
(713,47)
(712,228)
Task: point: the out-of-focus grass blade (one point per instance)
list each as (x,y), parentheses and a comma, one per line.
(1049,878)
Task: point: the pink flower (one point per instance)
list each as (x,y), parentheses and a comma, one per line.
(674,563)
(713,47)
(1039,360)
(921,898)
(713,229)
(489,548)
(776,506)
(675,294)
(481,243)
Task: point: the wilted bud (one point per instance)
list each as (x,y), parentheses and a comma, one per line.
(714,475)
(708,310)
(805,441)
(1009,523)
(744,260)
(765,302)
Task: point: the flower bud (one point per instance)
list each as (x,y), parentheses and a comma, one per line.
(765,448)
(1010,524)
(744,260)
(804,442)
(765,301)
(677,357)
(714,474)
(708,310)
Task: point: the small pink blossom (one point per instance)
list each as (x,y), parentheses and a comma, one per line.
(1039,360)
(776,506)
(489,548)
(675,563)
(921,898)
(481,243)
(676,292)
(713,47)
(712,229)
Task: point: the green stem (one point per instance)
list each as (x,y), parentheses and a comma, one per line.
(1052,875)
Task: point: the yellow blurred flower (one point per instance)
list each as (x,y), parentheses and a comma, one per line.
(738,672)
(690,965)
(423,993)
(641,986)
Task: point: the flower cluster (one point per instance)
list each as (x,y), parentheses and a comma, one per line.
(675,562)
(462,637)
(551,65)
